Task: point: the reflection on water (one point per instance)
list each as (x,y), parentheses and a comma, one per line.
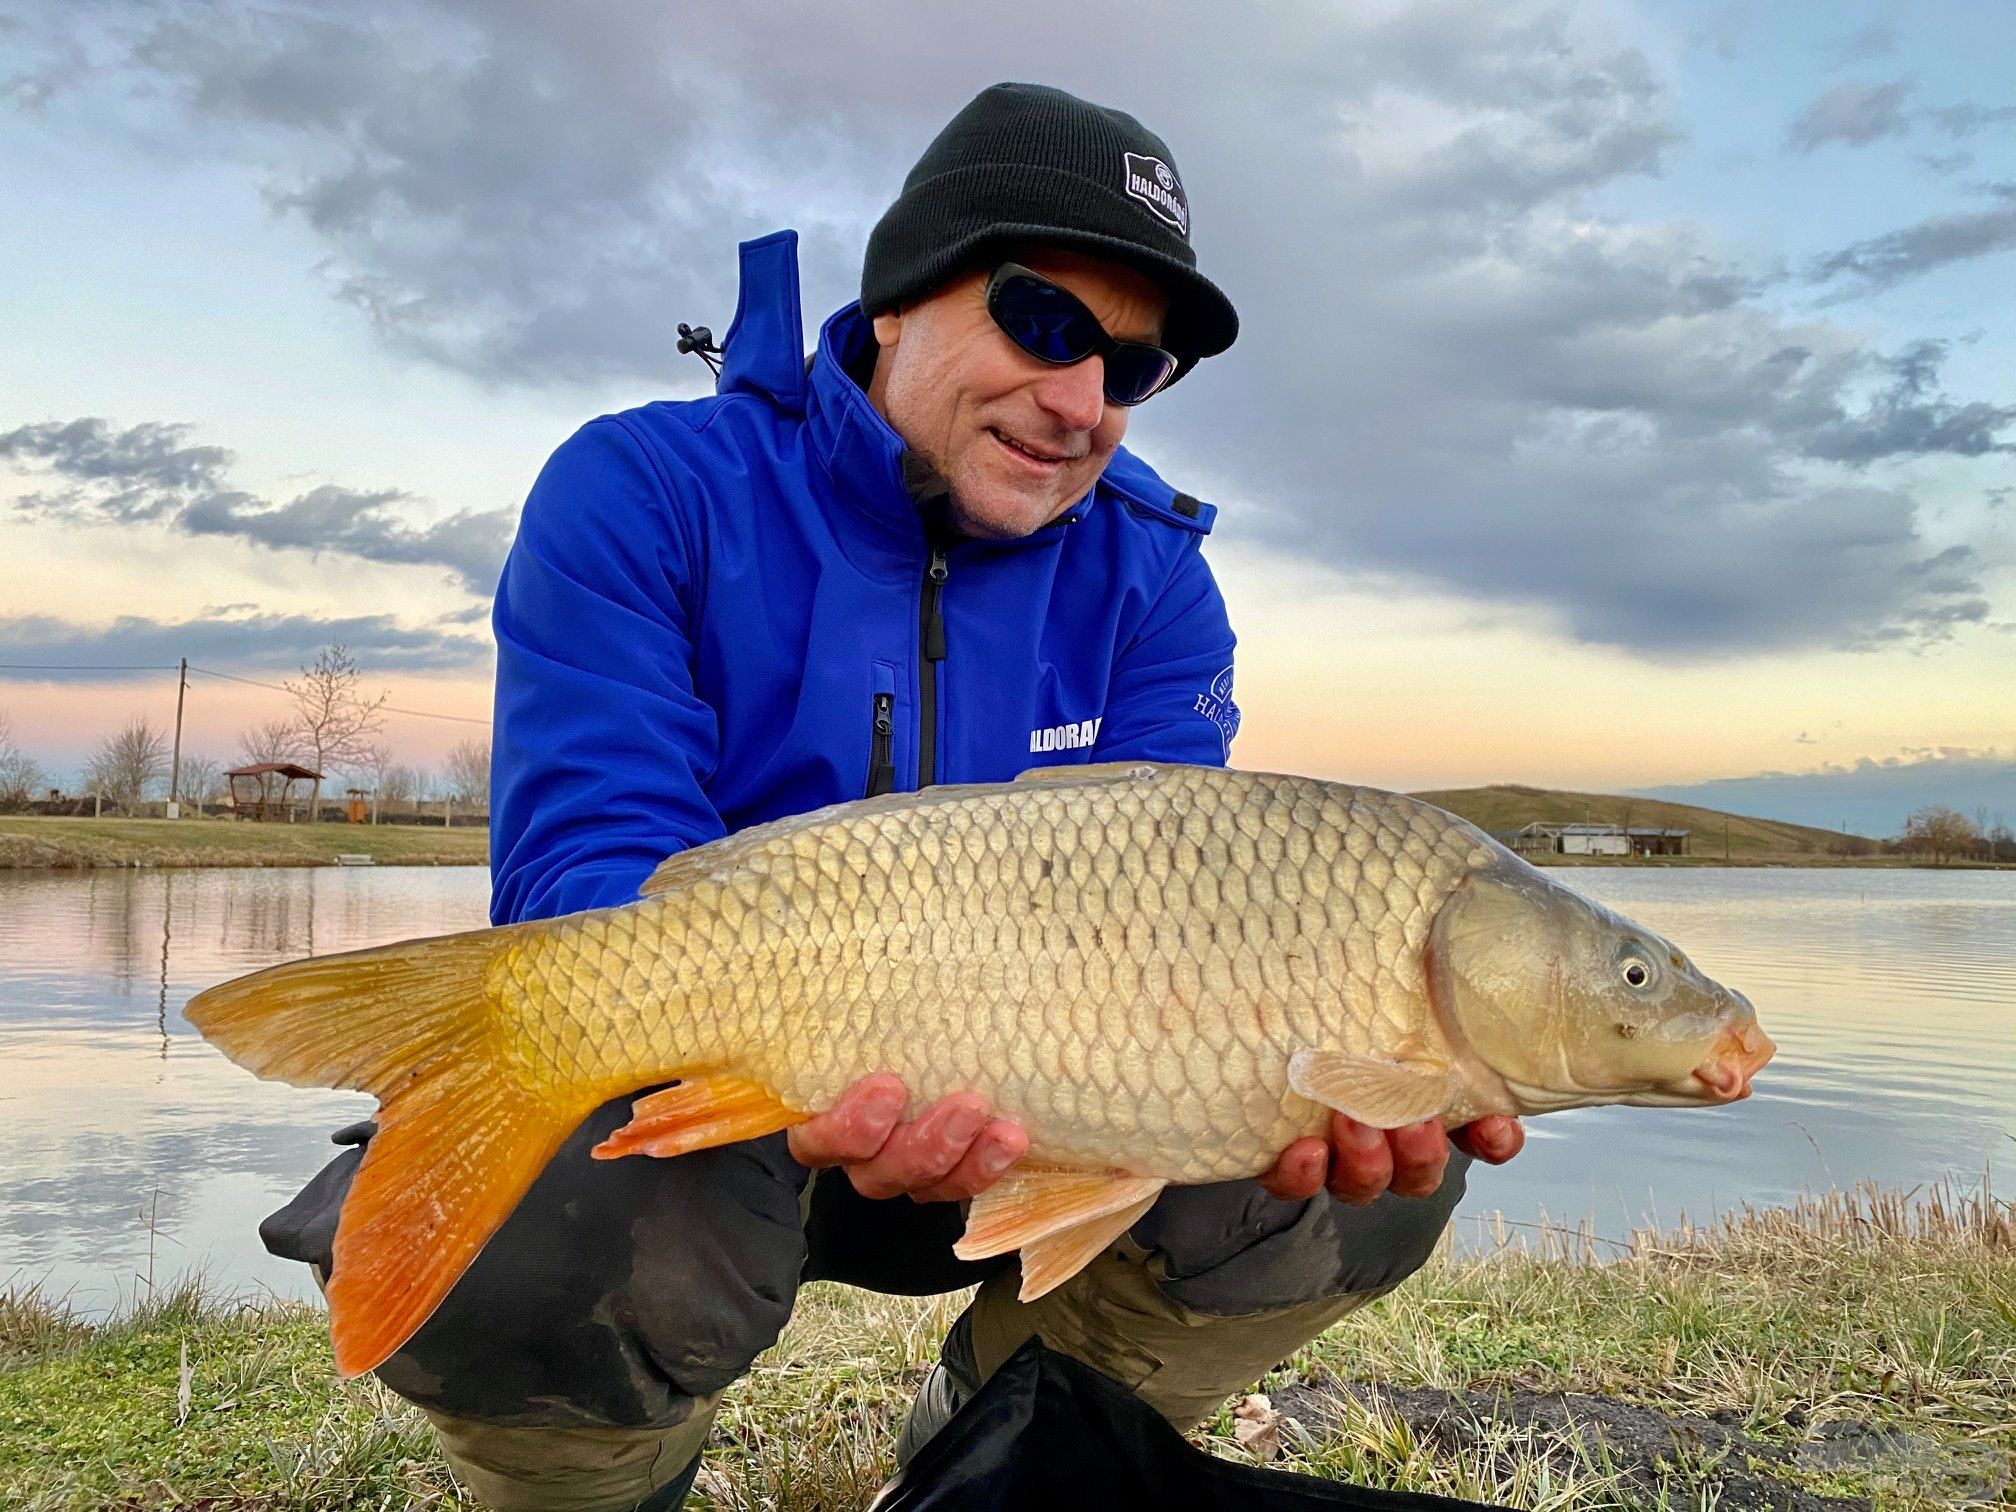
(113,1108)
(1892,996)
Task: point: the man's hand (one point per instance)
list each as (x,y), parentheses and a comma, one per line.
(1358,1162)
(952,1150)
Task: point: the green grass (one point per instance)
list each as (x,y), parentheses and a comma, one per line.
(1865,1309)
(30,841)
(1508,807)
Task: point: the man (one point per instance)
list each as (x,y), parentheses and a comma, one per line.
(922,558)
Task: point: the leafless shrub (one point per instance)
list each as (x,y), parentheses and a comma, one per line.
(126,765)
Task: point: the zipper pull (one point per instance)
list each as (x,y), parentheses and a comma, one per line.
(881,767)
(934,620)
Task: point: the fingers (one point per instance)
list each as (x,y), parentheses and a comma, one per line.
(1361,1161)
(1493,1140)
(1365,1161)
(1299,1173)
(999,1145)
(952,1150)
(1420,1157)
(854,1128)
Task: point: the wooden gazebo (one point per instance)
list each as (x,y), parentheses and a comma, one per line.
(265,789)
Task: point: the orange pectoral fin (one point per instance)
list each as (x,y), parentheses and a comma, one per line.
(698,1113)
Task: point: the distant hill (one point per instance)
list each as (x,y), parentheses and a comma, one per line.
(1508,807)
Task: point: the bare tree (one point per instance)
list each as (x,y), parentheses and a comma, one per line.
(126,764)
(334,723)
(1940,830)
(19,775)
(202,776)
(271,741)
(467,775)
(398,786)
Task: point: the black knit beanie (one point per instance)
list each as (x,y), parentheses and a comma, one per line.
(1027,163)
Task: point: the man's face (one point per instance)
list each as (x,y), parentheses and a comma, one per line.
(1020,441)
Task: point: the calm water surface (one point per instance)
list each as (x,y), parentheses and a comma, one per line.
(1891,994)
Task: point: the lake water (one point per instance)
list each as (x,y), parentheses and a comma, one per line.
(1892,995)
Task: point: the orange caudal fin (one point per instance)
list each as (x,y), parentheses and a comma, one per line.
(448,1164)
(696,1114)
(459,1137)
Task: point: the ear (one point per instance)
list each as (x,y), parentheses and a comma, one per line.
(889,327)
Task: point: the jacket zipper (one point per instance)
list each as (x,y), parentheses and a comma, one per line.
(931,636)
(881,751)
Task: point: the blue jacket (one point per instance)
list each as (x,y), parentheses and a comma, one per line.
(727,610)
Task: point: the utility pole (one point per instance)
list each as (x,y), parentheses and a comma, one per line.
(1725,837)
(175,766)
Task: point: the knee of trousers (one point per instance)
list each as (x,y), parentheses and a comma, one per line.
(1230,1249)
(1210,1291)
(619,1294)
(520,1469)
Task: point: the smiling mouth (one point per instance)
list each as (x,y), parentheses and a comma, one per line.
(1028,453)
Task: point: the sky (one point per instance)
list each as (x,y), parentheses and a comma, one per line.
(1626,394)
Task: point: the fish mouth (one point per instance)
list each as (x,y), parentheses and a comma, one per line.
(1738,1054)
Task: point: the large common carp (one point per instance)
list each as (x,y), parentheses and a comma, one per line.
(1167,973)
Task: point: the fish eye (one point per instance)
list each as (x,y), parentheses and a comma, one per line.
(1636,973)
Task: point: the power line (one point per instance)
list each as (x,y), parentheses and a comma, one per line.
(388,708)
(251,682)
(82,667)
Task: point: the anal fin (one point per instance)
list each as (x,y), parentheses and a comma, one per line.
(698,1113)
(1059,1219)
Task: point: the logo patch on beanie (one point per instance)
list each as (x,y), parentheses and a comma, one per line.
(1154,183)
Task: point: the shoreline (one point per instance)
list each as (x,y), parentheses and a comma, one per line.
(36,843)
(1849,1350)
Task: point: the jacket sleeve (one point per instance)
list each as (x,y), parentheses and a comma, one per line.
(602,750)
(1171,694)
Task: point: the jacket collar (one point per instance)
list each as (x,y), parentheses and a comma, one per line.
(862,455)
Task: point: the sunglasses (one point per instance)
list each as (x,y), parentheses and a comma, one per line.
(1051,325)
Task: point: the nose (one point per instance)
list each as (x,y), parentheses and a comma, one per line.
(1076,395)
(1738,1054)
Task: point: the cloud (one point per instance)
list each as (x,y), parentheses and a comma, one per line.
(1876,40)
(1882,262)
(1871,795)
(241,639)
(1966,120)
(1910,417)
(136,474)
(147,472)
(1456,366)
(1852,114)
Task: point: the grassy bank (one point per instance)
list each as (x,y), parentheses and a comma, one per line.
(1508,806)
(1854,1347)
(37,841)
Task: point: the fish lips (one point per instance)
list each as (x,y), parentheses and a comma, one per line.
(1738,1054)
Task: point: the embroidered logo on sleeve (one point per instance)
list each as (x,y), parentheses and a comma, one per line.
(1154,183)
(1216,705)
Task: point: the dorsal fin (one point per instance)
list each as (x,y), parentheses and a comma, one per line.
(1091,771)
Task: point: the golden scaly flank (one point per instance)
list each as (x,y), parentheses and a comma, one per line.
(1125,965)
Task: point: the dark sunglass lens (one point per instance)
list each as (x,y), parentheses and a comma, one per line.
(1135,372)
(1044,321)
